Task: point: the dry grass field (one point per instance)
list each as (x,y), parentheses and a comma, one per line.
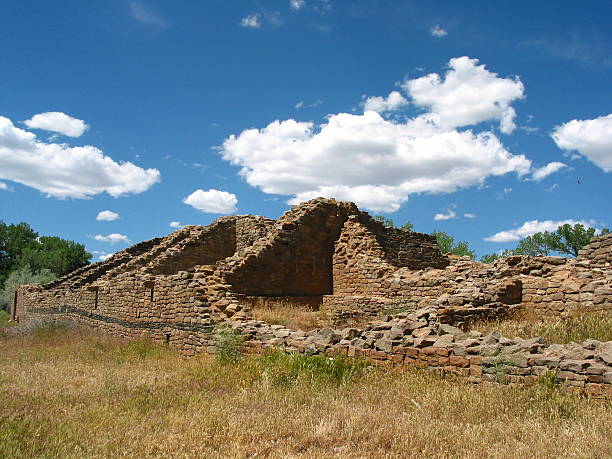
(76,393)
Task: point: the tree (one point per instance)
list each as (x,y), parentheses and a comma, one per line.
(23,275)
(491,257)
(566,240)
(388,223)
(407,227)
(53,253)
(534,245)
(13,239)
(447,245)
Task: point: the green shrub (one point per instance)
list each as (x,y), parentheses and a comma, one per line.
(4,318)
(227,344)
(19,277)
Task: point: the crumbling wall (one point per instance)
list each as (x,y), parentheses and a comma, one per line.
(295,258)
(323,252)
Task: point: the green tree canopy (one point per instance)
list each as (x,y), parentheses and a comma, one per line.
(447,245)
(491,257)
(387,222)
(53,253)
(13,239)
(566,240)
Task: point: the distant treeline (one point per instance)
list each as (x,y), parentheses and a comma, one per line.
(26,257)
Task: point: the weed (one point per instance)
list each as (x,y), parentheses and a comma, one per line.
(227,344)
(548,380)
(286,369)
(138,349)
(4,317)
(576,328)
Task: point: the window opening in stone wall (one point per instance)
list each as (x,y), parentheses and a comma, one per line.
(167,338)
(150,285)
(15,306)
(95,291)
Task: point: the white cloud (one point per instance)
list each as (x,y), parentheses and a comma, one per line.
(107,215)
(447,216)
(57,122)
(105,256)
(438,31)
(469,215)
(382,161)
(299,105)
(252,20)
(212,201)
(550,168)
(591,138)
(146,15)
(175,225)
(63,171)
(112,238)
(296,5)
(552,188)
(3,186)
(529,228)
(469,94)
(379,104)
(506,123)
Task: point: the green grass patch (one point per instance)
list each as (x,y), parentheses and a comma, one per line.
(576,328)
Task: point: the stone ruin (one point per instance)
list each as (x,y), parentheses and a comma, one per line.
(329,255)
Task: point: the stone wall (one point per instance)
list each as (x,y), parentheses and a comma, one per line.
(322,252)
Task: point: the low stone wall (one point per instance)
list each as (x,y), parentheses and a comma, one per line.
(411,339)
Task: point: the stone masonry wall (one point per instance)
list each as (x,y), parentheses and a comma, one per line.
(178,288)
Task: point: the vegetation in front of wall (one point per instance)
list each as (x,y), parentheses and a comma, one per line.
(140,399)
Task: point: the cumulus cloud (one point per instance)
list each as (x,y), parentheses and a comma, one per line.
(438,31)
(212,201)
(550,168)
(107,215)
(57,122)
(175,225)
(468,94)
(112,238)
(296,5)
(380,104)
(3,186)
(449,215)
(591,138)
(63,171)
(469,215)
(146,15)
(252,21)
(529,228)
(382,161)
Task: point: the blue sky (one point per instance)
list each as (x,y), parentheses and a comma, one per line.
(487,120)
